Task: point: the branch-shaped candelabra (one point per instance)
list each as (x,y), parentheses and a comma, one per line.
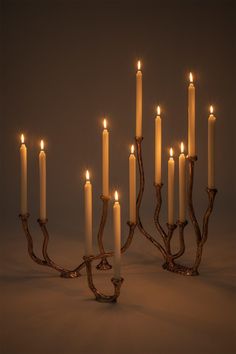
(166,236)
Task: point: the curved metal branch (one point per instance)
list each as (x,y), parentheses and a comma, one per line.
(157,212)
(140,196)
(181,239)
(98,295)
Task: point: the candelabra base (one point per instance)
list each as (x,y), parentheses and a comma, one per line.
(104,265)
(70,274)
(180,269)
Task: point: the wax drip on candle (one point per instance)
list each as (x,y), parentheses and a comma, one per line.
(191,77)
(42,145)
(105,123)
(116,196)
(22,139)
(87,175)
(211,109)
(182,147)
(139,65)
(158,110)
(132,149)
(171,152)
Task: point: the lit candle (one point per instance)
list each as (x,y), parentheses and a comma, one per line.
(139,101)
(171,172)
(211,149)
(158,146)
(132,186)
(117,233)
(88,216)
(42,181)
(182,186)
(191,117)
(105,160)
(23,181)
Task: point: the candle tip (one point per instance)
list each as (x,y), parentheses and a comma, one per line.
(22,138)
(182,147)
(211,109)
(105,123)
(42,144)
(171,152)
(132,149)
(87,175)
(190,77)
(139,65)
(116,196)
(158,110)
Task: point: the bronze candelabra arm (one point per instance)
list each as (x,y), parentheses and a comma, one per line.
(157,212)
(24,220)
(103,265)
(181,239)
(100,297)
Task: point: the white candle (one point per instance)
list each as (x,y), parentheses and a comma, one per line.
(171,172)
(191,117)
(132,186)
(42,181)
(88,216)
(182,186)
(139,101)
(117,234)
(158,146)
(105,160)
(23,181)
(211,149)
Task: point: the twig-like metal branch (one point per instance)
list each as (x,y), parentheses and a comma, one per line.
(98,295)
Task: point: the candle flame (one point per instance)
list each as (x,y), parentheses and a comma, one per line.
(116,196)
(139,65)
(191,77)
(182,147)
(171,152)
(132,149)
(158,110)
(211,109)
(42,144)
(87,175)
(22,138)
(105,123)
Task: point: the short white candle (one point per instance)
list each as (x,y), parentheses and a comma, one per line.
(182,186)
(171,172)
(88,215)
(117,236)
(191,117)
(42,181)
(139,101)
(211,149)
(23,181)
(158,146)
(132,186)
(105,160)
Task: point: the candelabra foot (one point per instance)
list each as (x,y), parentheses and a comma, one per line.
(70,274)
(104,265)
(110,298)
(180,269)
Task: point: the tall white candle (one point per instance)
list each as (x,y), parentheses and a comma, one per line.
(211,149)
(158,146)
(23,181)
(88,216)
(132,186)
(139,101)
(171,172)
(105,160)
(117,235)
(182,186)
(42,181)
(191,117)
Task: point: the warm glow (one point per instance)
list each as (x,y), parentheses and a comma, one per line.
(158,110)
(139,65)
(132,149)
(87,175)
(182,147)
(190,77)
(116,196)
(42,144)
(105,123)
(211,109)
(22,138)
(171,152)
